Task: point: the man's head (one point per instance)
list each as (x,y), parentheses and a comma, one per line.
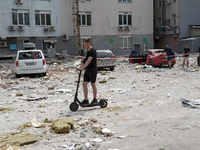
(166,45)
(186,45)
(87,44)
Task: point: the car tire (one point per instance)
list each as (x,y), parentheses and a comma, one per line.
(44,74)
(151,63)
(18,76)
(112,68)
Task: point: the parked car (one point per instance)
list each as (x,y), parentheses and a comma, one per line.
(153,57)
(30,62)
(105,63)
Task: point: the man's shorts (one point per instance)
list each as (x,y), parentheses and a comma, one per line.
(185,58)
(90,76)
(170,57)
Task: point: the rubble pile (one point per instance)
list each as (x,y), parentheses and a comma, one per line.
(143,105)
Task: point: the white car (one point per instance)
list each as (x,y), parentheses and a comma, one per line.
(30,62)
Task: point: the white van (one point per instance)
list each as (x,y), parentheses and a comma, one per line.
(30,62)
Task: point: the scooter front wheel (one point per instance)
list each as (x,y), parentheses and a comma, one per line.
(103,103)
(73,106)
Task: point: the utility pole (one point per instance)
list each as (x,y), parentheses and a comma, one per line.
(76,28)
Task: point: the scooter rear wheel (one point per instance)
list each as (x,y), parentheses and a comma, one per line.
(103,103)
(73,106)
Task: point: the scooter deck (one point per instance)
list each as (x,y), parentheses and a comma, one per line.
(90,105)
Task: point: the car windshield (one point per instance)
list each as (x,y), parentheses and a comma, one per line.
(103,54)
(30,55)
(159,52)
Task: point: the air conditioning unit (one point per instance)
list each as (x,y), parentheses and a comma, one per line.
(11,28)
(65,37)
(20,28)
(127,28)
(46,29)
(3,44)
(18,1)
(121,28)
(167,2)
(52,28)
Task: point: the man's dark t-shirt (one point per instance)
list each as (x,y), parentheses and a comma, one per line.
(186,50)
(93,64)
(169,51)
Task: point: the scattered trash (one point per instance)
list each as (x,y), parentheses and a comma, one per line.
(50,88)
(191,104)
(18,139)
(103,72)
(82,134)
(168,95)
(33,97)
(112,77)
(19,94)
(121,137)
(98,140)
(112,108)
(103,81)
(10,148)
(71,147)
(38,124)
(6,108)
(107,132)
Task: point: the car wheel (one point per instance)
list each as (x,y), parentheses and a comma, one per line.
(44,74)
(151,63)
(112,68)
(18,76)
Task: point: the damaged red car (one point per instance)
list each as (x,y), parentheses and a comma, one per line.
(153,57)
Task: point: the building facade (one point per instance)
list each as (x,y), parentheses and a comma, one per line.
(118,25)
(176,22)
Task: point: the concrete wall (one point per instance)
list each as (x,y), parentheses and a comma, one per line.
(31,30)
(189,15)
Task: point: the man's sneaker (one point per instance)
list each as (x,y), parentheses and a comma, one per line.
(94,102)
(84,102)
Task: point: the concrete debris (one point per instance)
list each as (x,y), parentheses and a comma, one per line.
(112,108)
(121,137)
(82,134)
(50,88)
(103,72)
(71,147)
(103,81)
(64,90)
(112,77)
(19,94)
(10,148)
(7,108)
(18,139)
(98,140)
(63,125)
(24,126)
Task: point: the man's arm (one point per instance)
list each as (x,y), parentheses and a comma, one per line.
(86,63)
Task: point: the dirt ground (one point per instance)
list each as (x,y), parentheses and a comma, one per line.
(144,110)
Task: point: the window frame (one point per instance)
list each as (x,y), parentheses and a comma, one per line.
(45,13)
(174,20)
(125,37)
(23,12)
(125,1)
(127,14)
(81,14)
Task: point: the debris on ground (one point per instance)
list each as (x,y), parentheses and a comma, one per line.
(18,139)
(10,148)
(62,125)
(7,108)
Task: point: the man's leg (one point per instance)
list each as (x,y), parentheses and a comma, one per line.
(169,63)
(187,62)
(183,63)
(94,90)
(85,90)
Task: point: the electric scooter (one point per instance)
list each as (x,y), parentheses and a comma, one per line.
(75,105)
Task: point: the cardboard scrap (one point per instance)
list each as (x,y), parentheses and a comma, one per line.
(18,139)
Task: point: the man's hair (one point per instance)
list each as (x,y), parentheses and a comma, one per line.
(186,44)
(87,41)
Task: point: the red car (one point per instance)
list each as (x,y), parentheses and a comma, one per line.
(153,57)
